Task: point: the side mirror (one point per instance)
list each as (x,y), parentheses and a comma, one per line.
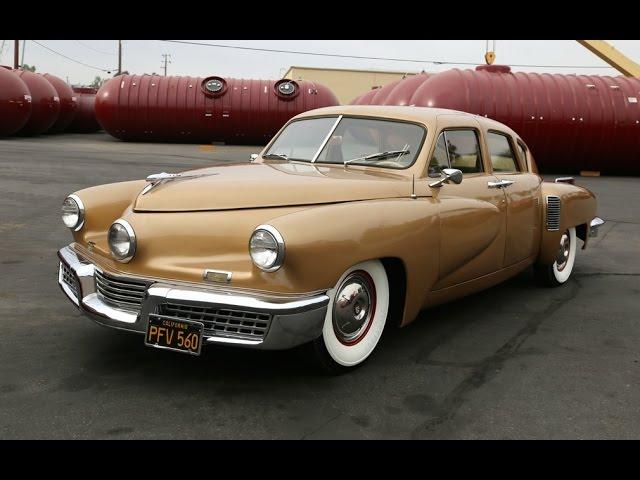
(450,175)
(254,156)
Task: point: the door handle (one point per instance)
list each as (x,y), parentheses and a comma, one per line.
(500,183)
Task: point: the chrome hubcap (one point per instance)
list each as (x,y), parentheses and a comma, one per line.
(353,307)
(563,252)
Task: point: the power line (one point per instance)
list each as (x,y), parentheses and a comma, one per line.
(335,55)
(107,70)
(94,49)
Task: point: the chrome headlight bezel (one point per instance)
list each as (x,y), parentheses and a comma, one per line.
(132,241)
(280,248)
(80,222)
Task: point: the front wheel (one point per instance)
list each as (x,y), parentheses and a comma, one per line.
(356,316)
(560,271)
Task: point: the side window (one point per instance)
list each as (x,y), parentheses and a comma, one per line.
(439,160)
(503,158)
(523,154)
(464,150)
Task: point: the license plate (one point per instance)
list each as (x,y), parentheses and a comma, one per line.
(174,334)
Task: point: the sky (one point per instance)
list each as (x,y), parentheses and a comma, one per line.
(145,56)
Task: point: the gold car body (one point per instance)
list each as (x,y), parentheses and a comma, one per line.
(436,243)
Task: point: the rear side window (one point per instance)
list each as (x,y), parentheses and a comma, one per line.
(503,158)
(464,150)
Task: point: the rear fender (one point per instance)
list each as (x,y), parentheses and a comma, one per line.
(577,209)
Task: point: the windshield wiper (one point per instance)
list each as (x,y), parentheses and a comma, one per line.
(379,156)
(276,155)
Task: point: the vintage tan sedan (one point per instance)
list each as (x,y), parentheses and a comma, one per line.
(351,219)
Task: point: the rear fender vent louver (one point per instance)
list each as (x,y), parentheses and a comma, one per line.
(553,213)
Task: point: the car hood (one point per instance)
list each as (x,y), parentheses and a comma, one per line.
(259,185)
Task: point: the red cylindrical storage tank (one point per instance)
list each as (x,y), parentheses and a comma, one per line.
(382,93)
(404,90)
(398,92)
(15,102)
(190,109)
(570,122)
(45,103)
(68,103)
(84,120)
(365,98)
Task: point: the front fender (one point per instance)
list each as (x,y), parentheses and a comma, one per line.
(104,204)
(323,242)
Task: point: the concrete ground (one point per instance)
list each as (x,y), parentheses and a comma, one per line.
(516,361)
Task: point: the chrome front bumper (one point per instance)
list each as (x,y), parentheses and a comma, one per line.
(293,320)
(595,224)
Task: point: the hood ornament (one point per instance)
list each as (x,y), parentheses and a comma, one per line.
(158,179)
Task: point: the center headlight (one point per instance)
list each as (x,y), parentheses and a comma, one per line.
(122,240)
(73,212)
(266,247)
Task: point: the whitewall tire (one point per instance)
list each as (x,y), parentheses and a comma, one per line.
(355,319)
(561,269)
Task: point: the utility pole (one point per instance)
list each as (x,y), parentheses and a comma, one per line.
(16,53)
(119,57)
(24,45)
(166,58)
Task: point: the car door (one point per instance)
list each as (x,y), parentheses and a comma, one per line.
(472,213)
(522,193)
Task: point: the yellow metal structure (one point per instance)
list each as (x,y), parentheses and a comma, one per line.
(613,57)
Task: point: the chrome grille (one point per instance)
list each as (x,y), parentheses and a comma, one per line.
(553,213)
(69,278)
(222,321)
(119,291)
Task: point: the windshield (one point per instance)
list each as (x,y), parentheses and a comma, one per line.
(352,141)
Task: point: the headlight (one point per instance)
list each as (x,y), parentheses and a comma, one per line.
(266,247)
(122,240)
(73,212)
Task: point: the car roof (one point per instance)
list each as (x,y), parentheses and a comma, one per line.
(425,115)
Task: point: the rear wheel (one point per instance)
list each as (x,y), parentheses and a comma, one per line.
(560,271)
(356,316)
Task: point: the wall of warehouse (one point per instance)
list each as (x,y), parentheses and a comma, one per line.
(346,84)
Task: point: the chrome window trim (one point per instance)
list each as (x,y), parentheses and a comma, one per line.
(326,139)
(81,209)
(281,248)
(132,235)
(479,140)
